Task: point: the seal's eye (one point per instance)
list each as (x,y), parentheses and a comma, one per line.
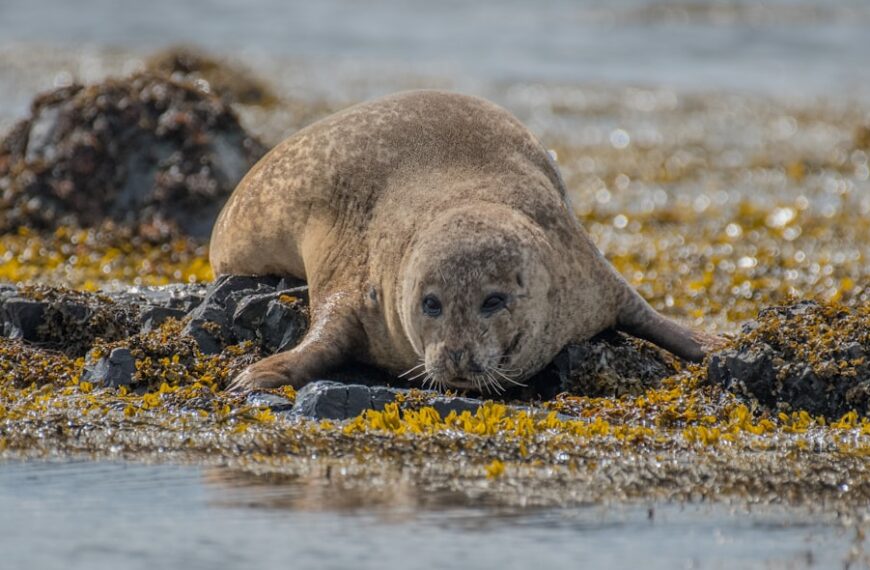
(493,303)
(431,306)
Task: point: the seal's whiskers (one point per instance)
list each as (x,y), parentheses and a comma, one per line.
(428,380)
(412,369)
(493,384)
(424,373)
(507,377)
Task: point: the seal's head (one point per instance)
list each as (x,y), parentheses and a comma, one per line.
(476,299)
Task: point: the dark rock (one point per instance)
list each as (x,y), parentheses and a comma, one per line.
(240,308)
(156,154)
(329,400)
(207,334)
(357,399)
(380,396)
(114,370)
(210,322)
(7,291)
(749,372)
(226,285)
(803,356)
(264,315)
(22,318)
(854,350)
(283,326)
(152,317)
(249,315)
(326,399)
(445,405)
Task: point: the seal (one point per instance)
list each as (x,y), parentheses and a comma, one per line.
(438,243)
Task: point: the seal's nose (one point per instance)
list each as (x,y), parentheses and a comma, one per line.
(455,356)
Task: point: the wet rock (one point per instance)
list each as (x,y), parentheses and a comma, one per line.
(329,400)
(612,365)
(803,356)
(266,310)
(115,369)
(150,152)
(229,288)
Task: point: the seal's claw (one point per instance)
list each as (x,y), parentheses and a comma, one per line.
(238,384)
(250,379)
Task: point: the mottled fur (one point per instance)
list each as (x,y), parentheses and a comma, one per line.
(426,192)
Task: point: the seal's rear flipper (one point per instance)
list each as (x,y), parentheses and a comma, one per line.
(638,319)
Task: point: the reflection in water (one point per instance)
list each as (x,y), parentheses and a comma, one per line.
(327,490)
(109,515)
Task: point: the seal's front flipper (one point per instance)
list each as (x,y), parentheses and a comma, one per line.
(333,336)
(638,319)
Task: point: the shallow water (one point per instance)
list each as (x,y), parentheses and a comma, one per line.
(98,515)
(815,46)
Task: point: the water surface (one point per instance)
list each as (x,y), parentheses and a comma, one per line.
(816,46)
(99,515)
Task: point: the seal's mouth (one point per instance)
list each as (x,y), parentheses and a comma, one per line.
(463,384)
(487,375)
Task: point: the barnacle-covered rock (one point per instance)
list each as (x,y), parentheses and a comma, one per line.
(803,356)
(23,365)
(151,152)
(71,321)
(612,364)
(166,356)
(65,320)
(154,316)
(221,77)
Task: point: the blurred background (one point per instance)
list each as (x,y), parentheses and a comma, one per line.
(786,47)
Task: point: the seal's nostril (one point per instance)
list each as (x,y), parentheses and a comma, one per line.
(455,356)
